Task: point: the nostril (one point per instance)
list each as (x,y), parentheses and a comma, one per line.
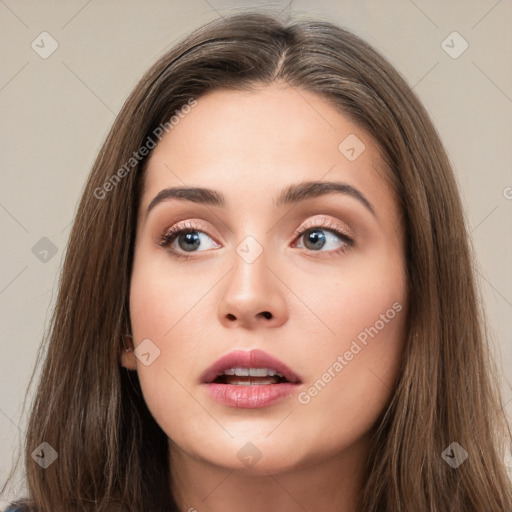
(231,317)
(267,314)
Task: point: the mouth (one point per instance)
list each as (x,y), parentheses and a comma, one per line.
(241,368)
(249,380)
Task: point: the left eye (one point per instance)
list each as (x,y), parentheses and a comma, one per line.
(318,238)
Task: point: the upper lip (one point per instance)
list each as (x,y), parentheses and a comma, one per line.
(248,359)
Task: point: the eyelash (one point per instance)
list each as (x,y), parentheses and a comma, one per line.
(171,234)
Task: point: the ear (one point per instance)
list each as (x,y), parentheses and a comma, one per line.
(128,359)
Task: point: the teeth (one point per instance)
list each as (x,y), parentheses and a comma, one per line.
(251,372)
(258,372)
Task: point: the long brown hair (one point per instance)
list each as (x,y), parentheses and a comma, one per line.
(91,410)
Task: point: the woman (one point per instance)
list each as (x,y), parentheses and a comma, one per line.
(267,301)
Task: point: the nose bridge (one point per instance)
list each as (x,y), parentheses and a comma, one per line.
(253,293)
(249,277)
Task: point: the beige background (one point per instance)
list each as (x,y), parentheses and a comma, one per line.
(57,111)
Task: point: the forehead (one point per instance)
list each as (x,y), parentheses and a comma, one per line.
(255,143)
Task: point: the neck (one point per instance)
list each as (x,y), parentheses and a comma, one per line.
(332,484)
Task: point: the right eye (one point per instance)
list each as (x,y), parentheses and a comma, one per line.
(184,238)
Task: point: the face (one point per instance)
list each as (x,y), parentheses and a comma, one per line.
(309,283)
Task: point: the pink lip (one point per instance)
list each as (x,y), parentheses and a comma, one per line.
(249,397)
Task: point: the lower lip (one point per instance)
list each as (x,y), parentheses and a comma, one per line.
(250,397)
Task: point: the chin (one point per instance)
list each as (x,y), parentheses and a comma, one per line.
(270,463)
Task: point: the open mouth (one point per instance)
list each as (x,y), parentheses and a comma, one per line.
(241,368)
(249,380)
(250,377)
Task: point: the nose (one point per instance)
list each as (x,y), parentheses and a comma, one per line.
(254,296)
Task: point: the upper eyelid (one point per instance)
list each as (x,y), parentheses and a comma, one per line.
(324,223)
(321,223)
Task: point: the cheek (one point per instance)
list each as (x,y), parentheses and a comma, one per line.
(365,301)
(352,370)
(170,311)
(160,301)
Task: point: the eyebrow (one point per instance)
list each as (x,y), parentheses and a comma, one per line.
(290,195)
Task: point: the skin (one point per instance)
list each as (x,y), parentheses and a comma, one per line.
(249,146)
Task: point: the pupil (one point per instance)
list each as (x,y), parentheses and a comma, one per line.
(317,238)
(191,238)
